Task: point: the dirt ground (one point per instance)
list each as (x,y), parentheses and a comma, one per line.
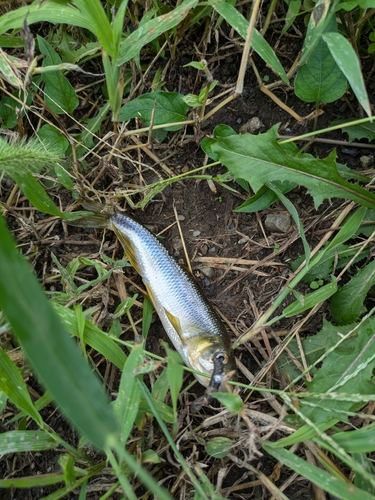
(212,233)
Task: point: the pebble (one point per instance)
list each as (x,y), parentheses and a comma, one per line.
(242,241)
(278,223)
(196,233)
(207,271)
(177,246)
(366,161)
(251,126)
(181,217)
(212,250)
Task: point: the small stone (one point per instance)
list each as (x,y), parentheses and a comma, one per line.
(204,250)
(207,271)
(196,233)
(212,250)
(185,169)
(366,161)
(181,217)
(242,241)
(177,246)
(251,126)
(278,223)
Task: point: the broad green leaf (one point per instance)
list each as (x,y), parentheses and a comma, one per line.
(347,305)
(13,385)
(260,159)
(359,480)
(332,484)
(8,114)
(21,441)
(320,78)
(219,447)
(345,370)
(151,30)
(169,108)
(128,398)
(358,132)
(348,62)
(238,22)
(232,402)
(50,349)
(9,71)
(52,137)
(59,96)
(310,300)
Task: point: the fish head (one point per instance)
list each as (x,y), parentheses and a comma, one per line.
(201,353)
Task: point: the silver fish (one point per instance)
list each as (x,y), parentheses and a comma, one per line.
(193,327)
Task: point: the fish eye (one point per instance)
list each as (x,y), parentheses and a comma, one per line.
(220,356)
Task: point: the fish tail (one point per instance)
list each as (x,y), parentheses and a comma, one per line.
(99,218)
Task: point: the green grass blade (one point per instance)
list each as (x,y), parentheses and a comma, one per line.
(50,349)
(127,402)
(331,484)
(93,336)
(238,22)
(99,22)
(53,11)
(152,29)
(13,385)
(21,441)
(347,60)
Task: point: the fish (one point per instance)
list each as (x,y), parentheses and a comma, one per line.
(191,324)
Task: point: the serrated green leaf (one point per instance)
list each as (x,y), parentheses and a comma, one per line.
(238,22)
(320,477)
(219,447)
(170,108)
(347,305)
(358,132)
(347,369)
(348,62)
(128,398)
(151,30)
(60,96)
(320,78)
(51,351)
(260,159)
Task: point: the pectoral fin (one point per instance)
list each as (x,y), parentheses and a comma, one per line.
(176,325)
(128,248)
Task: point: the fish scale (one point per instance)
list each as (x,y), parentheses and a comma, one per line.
(191,324)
